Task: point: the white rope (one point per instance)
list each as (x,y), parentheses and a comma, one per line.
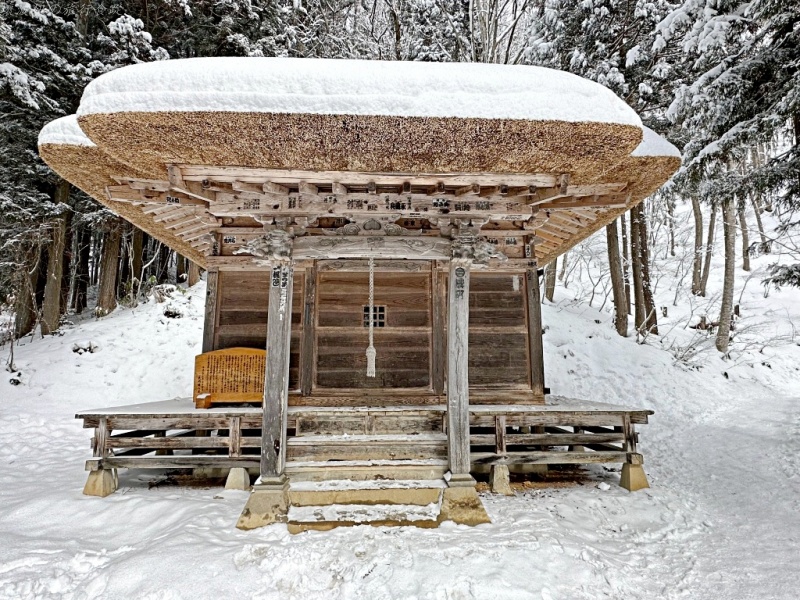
(371,352)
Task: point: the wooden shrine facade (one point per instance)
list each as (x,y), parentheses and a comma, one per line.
(445,270)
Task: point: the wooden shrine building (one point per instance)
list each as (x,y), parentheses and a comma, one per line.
(372,234)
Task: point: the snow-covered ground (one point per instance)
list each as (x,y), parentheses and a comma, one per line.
(721,521)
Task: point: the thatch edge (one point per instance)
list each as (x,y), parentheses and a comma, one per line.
(90,169)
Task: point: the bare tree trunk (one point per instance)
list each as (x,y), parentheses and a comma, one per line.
(51,306)
(125,275)
(712,223)
(626,263)
(25,312)
(194,274)
(109,265)
(651,318)
(180,268)
(617,281)
(764,248)
(563,272)
(671,215)
(163,264)
(81,287)
(97,241)
(550,271)
(636,266)
(729,232)
(68,269)
(698,246)
(745,237)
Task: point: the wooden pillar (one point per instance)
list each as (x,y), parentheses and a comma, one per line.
(307,347)
(536,352)
(276,381)
(210,319)
(457,368)
(439,341)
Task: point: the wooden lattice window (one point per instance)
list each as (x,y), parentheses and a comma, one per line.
(378,316)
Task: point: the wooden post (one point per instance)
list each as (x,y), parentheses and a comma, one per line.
(438,329)
(457,367)
(307,350)
(536,351)
(210,320)
(276,381)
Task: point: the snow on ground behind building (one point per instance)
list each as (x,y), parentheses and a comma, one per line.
(722,519)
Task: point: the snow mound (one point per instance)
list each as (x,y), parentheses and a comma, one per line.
(64,131)
(355,87)
(654,145)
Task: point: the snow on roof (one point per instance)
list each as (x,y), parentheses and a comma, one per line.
(64,131)
(654,145)
(355,87)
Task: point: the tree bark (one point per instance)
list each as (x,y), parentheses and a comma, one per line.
(745,237)
(68,271)
(194,274)
(163,263)
(729,232)
(764,247)
(671,215)
(550,271)
(698,246)
(617,281)
(563,272)
(51,306)
(81,287)
(639,315)
(626,263)
(124,275)
(651,318)
(180,268)
(712,223)
(25,306)
(109,265)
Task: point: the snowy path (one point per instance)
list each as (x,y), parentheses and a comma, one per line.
(746,467)
(721,521)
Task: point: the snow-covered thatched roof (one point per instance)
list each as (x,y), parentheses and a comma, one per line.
(343,116)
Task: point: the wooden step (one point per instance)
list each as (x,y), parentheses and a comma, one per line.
(366,420)
(367,447)
(375,492)
(345,503)
(364,470)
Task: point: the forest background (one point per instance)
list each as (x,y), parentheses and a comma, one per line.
(720,79)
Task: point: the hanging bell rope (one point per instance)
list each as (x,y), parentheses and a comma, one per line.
(371,352)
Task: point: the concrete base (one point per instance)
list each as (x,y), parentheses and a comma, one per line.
(101,483)
(268,503)
(238,479)
(633,477)
(500,481)
(461,504)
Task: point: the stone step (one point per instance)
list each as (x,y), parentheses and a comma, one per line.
(378,493)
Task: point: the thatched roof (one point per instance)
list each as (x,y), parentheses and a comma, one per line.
(142,125)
